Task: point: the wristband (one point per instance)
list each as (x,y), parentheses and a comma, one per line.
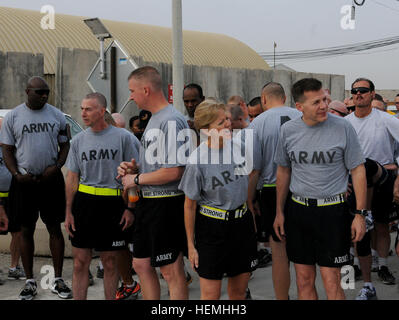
(363,212)
(136,179)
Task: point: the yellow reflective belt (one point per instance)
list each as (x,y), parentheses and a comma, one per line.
(269,185)
(3,194)
(99,191)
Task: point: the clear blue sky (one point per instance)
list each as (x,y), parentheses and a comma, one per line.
(292,24)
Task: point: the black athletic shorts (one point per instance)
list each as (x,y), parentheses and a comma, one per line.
(268,211)
(225,246)
(159,231)
(26,201)
(97,222)
(318,235)
(383,208)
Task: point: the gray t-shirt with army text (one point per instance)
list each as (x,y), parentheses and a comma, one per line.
(215,183)
(95,156)
(319,156)
(160,145)
(267,131)
(5,175)
(35,135)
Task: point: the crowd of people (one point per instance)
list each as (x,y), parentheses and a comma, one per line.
(232,186)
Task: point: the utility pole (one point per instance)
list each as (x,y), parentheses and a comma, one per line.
(177,54)
(274,55)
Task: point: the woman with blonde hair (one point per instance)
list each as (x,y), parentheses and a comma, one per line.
(220,230)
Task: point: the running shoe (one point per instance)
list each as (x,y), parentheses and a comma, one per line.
(100,273)
(374,264)
(22,274)
(367,294)
(386,276)
(248,294)
(128,293)
(91,279)
(28,291)
(16,274)
(264,258)
(61,289)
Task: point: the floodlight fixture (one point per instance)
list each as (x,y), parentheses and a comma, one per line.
(98,28)
(101,32)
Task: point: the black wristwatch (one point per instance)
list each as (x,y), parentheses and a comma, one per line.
(362,212)
(136,179)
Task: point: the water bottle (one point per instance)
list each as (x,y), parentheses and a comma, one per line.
(133,195)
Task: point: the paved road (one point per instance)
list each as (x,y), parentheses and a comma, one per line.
(260,285)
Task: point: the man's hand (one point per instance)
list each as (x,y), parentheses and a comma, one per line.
(358,228)
(127,168)
(193,257)
(69,224)
(49,173)
(278,225)
(128,181)
(127,219)
(253,206)
(3,219)
(26,178)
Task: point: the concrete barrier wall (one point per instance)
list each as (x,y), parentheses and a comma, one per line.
(15,70)
(74,65)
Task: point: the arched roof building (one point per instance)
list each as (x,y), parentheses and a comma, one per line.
(20,31)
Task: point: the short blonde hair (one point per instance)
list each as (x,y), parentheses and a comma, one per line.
(206,113)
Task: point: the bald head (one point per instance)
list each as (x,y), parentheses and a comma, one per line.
(234,100)
(119,120)
(339,108)
(36,82)
(37,91)
(273,95)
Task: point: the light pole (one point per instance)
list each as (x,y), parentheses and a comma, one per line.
(101,32)
(177,54)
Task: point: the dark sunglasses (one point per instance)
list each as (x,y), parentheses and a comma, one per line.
(351,108)
(360,89)
(40,92)
(339,112)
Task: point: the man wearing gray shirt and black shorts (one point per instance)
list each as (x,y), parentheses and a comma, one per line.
(267,130)
(35,146)
(96,216)
(160,239)
(314,156)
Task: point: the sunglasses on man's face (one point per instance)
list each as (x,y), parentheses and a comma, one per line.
(360,89)
(40,92)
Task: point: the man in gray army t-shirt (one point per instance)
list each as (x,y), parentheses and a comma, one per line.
(267,130)
(35,146)
(314,155)
(96,216)
(159,227)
